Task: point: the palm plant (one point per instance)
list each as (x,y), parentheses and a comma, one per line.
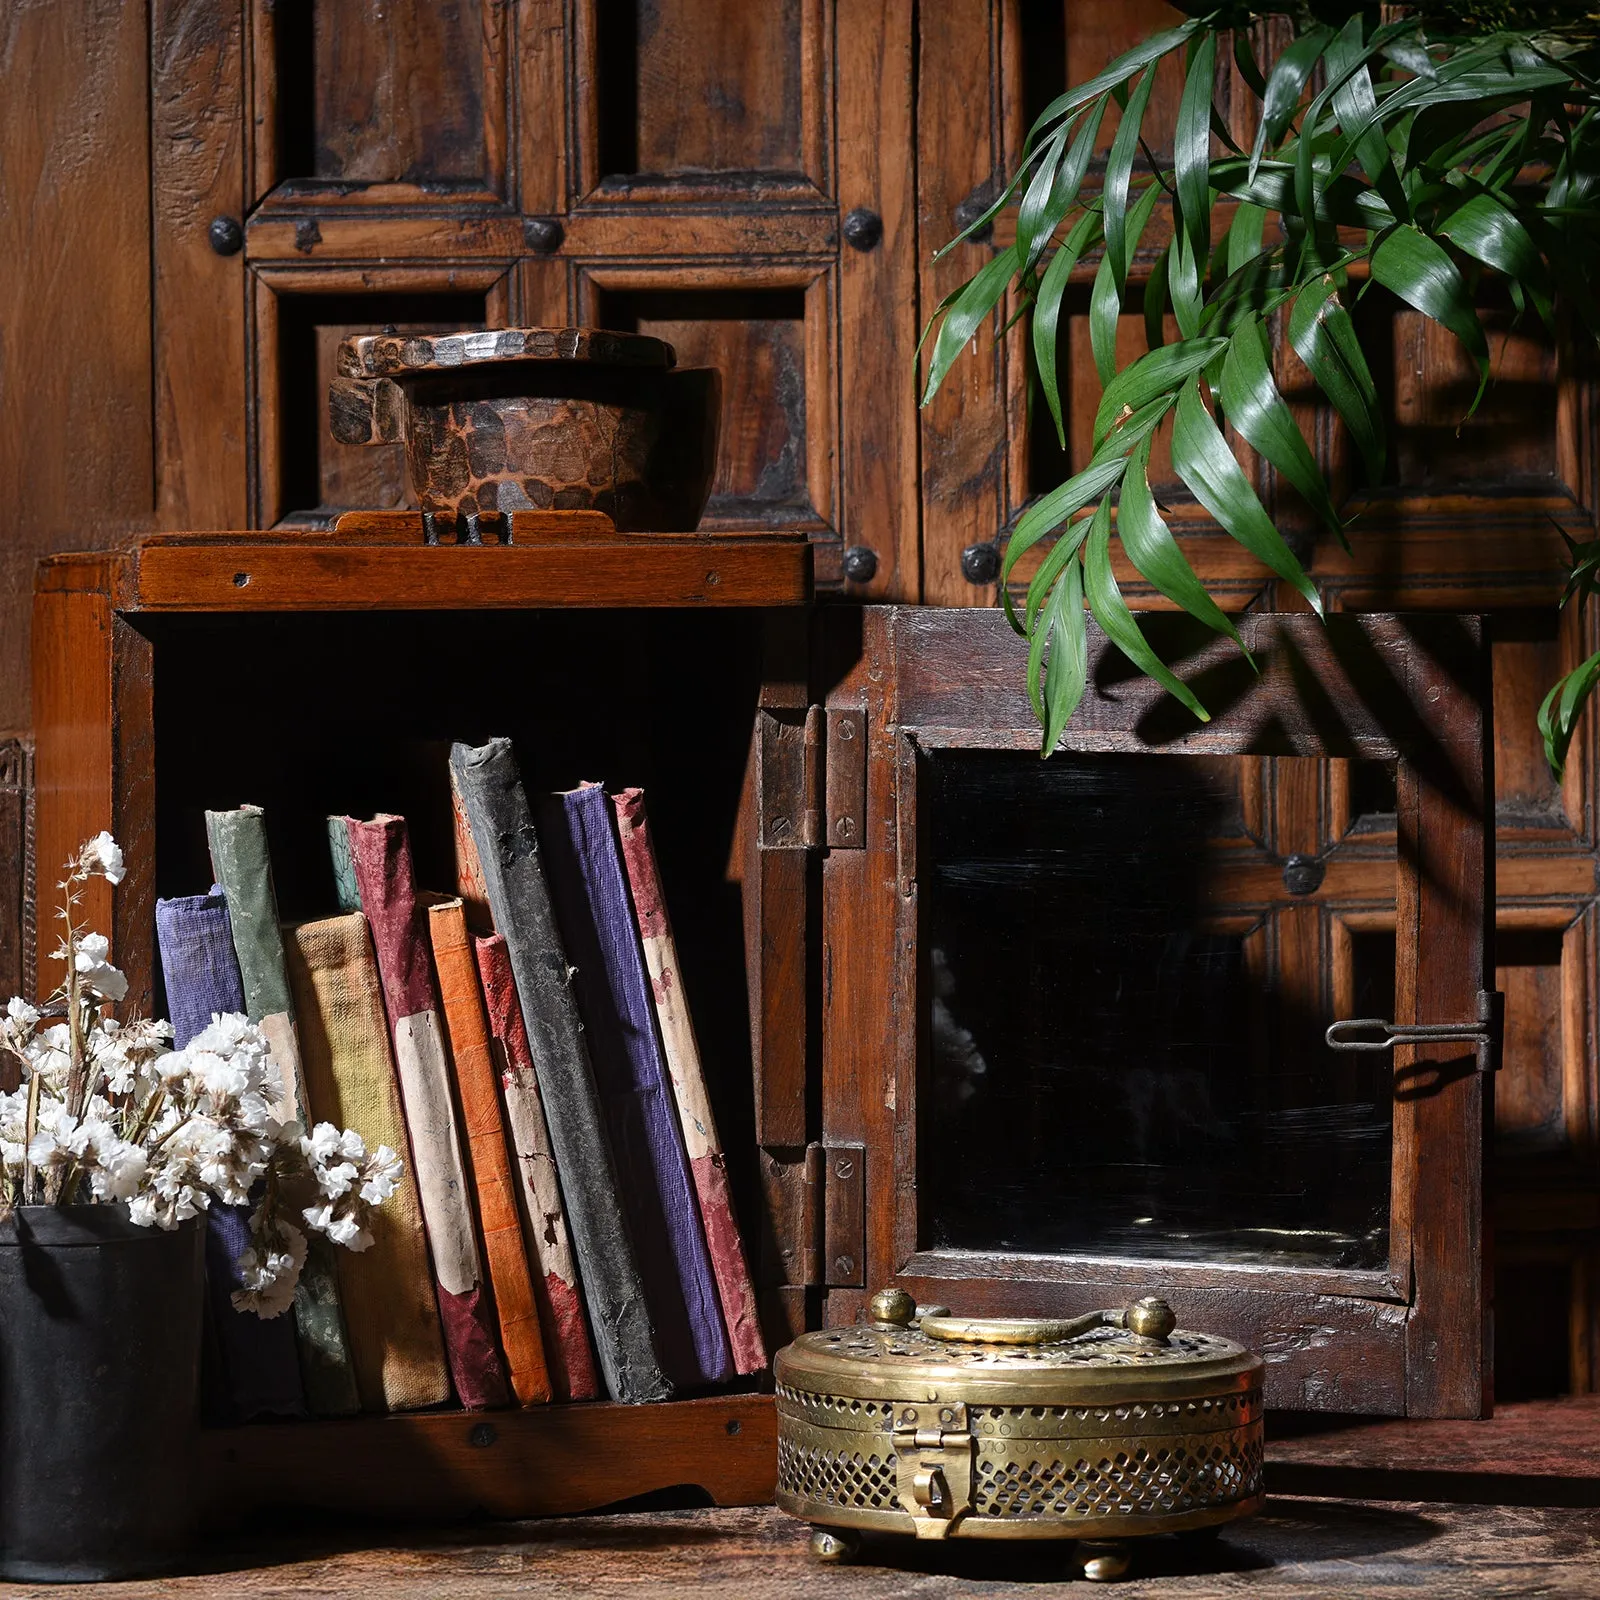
(1416,150)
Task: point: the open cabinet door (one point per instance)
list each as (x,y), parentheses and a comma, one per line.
(1075,1011)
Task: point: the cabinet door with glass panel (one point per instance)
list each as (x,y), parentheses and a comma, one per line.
(1076,1011)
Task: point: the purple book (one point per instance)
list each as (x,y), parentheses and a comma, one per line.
(613,989)
(260,1370)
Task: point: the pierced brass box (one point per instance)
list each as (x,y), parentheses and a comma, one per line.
(1099,1428)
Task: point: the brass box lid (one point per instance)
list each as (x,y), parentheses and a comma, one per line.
(1102,1358)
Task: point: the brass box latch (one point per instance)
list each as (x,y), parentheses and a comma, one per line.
(933,1465)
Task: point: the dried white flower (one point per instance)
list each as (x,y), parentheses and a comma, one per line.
(102,854)
(95,970)
(109,1112)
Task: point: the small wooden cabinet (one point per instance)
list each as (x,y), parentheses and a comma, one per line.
(827,785)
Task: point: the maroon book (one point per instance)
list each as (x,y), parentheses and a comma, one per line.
(380,853)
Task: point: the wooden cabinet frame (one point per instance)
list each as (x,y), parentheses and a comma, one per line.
(1409,1339)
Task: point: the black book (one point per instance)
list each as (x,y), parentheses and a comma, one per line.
(519,900)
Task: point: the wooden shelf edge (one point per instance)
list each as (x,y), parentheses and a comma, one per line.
(1537,1452)
(543,1461)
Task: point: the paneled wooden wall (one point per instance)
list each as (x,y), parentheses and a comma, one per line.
(192,221)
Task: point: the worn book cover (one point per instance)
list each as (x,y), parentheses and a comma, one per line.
(260,1368)
(519,899)
(516,1310)
(735,1288)
(380,854)
(388,1291)
(240,859)
(591,896)
(544,1213)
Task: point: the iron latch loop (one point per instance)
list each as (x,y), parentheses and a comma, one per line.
(1486,1034)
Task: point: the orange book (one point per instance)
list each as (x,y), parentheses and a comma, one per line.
(468,1031)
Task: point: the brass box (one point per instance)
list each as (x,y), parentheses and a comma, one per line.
(1107,1426)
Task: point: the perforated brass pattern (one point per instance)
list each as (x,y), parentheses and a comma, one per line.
(1099,1436)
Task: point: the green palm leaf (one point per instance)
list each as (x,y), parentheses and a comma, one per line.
(1203,460)
(1418,269)
(1067,673)
(1155,553)
(1119,168)
(967,314)
(1047,311)
(1325,340)
(1111,612)
(1254,406)
(1192,145)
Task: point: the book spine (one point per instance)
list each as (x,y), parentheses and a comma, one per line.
(516,1310)
(469,870)
(519,899)
(243,866)
(380,852)
(260,1371)
(591,897)
(387,1290)
(707,1165)
(346,891)
(544,1215)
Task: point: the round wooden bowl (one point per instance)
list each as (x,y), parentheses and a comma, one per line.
(537,419)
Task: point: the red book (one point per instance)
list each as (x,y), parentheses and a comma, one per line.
(380,853)
(544,1216)
(704,1147)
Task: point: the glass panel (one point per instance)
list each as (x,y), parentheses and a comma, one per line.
(1124,1010)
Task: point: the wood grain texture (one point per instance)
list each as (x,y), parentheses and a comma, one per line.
(94,769)
(636,571)
(1415,689)
(17,955)
(76,437)
(877,293)
(197,174)
(1296,1546)
(966,488)
(541,1461)
(419,99)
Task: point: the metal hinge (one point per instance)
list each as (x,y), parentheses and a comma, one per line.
(1486,1034)
(813,779)
(933,1450)
(816,1214)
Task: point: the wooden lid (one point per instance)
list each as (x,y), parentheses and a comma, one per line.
(398,355)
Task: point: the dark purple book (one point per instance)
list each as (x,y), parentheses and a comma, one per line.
(260,1369)
(613,990)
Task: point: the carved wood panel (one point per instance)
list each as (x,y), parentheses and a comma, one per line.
(1465,519)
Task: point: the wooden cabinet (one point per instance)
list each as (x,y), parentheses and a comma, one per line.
(1071,1013)
(329,673)
(235,188)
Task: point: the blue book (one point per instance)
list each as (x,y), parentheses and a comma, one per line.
(590,889)
(260,1368)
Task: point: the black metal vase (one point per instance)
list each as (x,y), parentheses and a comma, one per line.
(99,1392)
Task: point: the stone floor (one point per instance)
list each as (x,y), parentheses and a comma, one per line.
(1297,1547)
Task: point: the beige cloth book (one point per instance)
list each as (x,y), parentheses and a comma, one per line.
(390,1313)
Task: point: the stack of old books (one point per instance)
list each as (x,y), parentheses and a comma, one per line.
(564,1230)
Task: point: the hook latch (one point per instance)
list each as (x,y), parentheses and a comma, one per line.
(1487,1033)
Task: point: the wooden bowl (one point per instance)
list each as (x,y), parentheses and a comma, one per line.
(524,419)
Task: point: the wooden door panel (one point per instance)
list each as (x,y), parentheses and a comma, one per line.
(770,345)
(375,105)
(936,682)
(683,90)
(305,476)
